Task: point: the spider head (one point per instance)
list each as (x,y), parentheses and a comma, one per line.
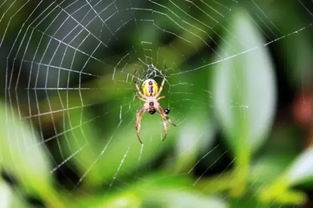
(151,111)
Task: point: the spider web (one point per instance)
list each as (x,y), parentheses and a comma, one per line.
(68,59)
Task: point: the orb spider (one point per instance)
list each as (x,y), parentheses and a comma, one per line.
(150,95)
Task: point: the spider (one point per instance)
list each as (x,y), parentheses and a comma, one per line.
(150,94)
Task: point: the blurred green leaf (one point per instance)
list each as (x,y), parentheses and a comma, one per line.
(244,86)
(23,157)
(172,191)
(269,167)
(244,91)
(158,190)
(22,154)
(277,154)
(8,198)
(124,200)
(302,169)
(183,199)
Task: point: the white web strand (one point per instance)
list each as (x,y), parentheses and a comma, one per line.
(202,158)
(245,51)
(208,168)
(94,162)
(119,167)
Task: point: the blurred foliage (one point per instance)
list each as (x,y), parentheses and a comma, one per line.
(231,147)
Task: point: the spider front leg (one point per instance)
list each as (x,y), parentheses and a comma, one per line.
(161,87)
(141,98)
(138,122)
(138,90)
(159,98)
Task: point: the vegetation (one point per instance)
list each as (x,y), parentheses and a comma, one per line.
(243,112)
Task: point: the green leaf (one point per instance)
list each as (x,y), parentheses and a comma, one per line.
(9,199)
(157,190)
(244,86)
(183,199)
(24,158)
(5,195)
(302,169)
(269,167)
(21,153)
(174,191)
(243,93)
(299,172)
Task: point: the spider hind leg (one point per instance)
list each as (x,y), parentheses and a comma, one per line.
(166,120)
(138,123)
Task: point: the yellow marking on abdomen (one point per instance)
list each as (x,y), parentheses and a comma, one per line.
(150,87)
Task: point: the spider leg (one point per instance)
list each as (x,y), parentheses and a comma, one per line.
(141,98)
(138,122)
(138,90)
(164,129)
(166,120)
(162,85)
(165,116)
(170,121)
(159,98)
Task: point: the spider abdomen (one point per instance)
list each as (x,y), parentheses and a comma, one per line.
(150,87)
